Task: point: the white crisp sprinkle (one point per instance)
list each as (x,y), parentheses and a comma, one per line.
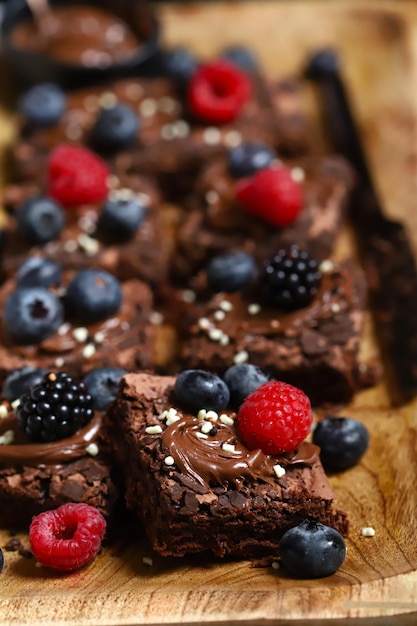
(92,449)
(88,244)
(335,307)
(254,308)
(87,223)
(59,362)
(212,136)
(232,138)
(172,412)
(188,295)
(169,460)
(7,438)
(153,430)
(201,435)
(168,132)
(298,174)
(73,132)
(226,305)
(206,427)
(241,357)
(228,447)
(15,404)
(326,266)
(181,128)
(147,561)
(162,416)
(80,334)
(124,193)
(171,419)
(224,340)
(89,350)
(107,100)
(226,419)
(71,245)
(148,107)
(4,412)
(368,531)
(219,315)
(212,415)
(201,415)
(167,105)
(274,323)
(211,196)
(204,323)
(37,564)
(215,334)
(99,337)
(275,565)
(156,318)
(279,470)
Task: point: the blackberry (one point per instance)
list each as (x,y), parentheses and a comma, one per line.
(55,408)
(291,279)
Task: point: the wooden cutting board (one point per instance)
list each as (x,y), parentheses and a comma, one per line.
(379,578)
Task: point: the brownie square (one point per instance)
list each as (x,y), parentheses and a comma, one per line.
(195,494)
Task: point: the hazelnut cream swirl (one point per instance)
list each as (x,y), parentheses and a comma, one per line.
(23,452)
(207,461)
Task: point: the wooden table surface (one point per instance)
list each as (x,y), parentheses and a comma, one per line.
(377,585)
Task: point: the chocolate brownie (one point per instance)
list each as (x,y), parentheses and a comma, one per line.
(315,347)
(218,224)
(35,477)
(197,492)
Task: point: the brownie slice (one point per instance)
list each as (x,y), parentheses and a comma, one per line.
(35,477)
(315,348)
(197,492)
(217,223)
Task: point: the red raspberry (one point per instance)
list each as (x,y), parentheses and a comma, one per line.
(218,91)
(76,176)
(272,195)
(68,537)
(276,418)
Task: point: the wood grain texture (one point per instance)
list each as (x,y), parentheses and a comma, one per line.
(379,578)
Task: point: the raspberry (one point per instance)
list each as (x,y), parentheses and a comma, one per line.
(276,418)
(272,195)
(68,537)
(218,91)
(76,176)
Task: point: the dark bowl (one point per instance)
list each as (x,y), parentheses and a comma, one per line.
(28,68)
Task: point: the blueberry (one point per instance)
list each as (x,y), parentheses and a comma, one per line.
(343,442)
(230,272)
(43,105)
(20,381)
(241,56)
(93,295)
(40,220)
(120,219)
(242,379)
(249,158)
(115,128)
(39,272)
(32,314)
(312,550)
(198,389)
(102,384)
(180,65)
(323,63)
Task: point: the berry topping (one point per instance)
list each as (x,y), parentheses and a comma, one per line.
(32,314)
(180,65)
(68,537)
(19,381)
(272,195)
(312,550)
(40,220)
(276,418)
(230,272)
(115,128)
(241,56)
(102,384)
(291,279)
(39,272)
(55,408)
(242,379)
(120,218)
(43,105)
(198,389)
(249,158)
(93,295)
(76,176)
(217,92)
(343,442)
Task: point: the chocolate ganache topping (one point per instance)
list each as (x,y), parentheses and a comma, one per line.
(23,452)
(220,457)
